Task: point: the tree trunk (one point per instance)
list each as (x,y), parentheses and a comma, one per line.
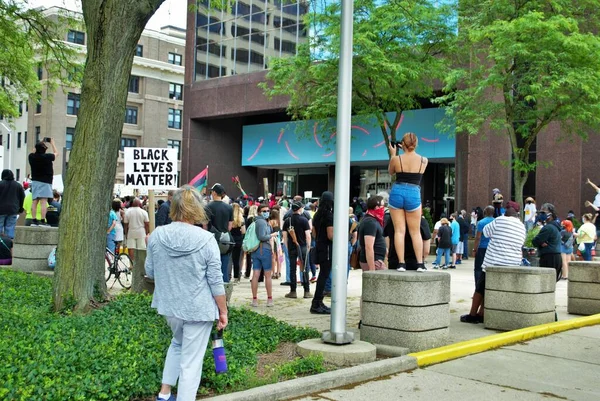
(519,182)
(113,30)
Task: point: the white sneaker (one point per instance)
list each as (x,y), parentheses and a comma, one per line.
(422,269)
(401,269)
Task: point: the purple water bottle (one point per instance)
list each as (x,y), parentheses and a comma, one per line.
(219,352)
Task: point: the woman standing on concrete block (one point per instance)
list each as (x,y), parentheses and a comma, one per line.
(405,197)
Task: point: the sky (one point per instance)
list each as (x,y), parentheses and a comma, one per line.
(171,12)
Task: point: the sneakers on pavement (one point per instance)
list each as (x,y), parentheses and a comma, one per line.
(444,267)
(458,262)
(286,283)
(307,294)
(254,303)
(291,294)
(401,267)
(471,319)
(421,269)
(171,398)
(320,310)
(452,267)
(34,223)
(435,266)
(270,303)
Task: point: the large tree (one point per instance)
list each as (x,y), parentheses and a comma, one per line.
(527,64)
(113,30)
(399,49)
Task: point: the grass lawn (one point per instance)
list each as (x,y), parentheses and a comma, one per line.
(117,352)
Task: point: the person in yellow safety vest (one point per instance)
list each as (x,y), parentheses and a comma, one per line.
(27,206)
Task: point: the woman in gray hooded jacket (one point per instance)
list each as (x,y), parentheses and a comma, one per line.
(185,263)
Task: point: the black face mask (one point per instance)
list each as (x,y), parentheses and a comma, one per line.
(543,216)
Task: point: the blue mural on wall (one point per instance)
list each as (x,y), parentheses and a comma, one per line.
(290,143)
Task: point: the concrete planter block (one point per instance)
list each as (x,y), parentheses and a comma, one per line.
(524,303)
(584,272)
(30,265)
(36,235)
(407,310)
(511,320)
(407,288)
(406,318)
(414,341)
(583,290)
(532,280)
(24,251)
(518,297)
(586,307)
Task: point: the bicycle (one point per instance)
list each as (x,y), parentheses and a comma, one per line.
(120,267)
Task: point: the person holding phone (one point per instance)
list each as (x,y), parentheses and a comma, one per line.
(405,197)
(42,173)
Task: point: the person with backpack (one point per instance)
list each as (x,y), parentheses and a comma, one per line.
(258,242)
(444,235)
(566,246)
(220,224)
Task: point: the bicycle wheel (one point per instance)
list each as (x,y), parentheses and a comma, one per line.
(108,265)
(124,266)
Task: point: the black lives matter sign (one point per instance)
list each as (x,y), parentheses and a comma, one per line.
(151,168)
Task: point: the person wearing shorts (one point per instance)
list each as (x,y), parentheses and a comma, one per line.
(262,256)
(405,197)
(136,225)
(42,174)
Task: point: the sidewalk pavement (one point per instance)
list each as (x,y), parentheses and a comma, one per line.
(296,311)
(561,366)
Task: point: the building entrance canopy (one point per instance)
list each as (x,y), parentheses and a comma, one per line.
(310,142)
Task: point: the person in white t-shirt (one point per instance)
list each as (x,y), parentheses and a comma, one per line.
(530,211)
(436,227)
(136,225)
(507,235)
(597,198)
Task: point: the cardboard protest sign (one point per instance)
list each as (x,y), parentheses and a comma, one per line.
(151,168)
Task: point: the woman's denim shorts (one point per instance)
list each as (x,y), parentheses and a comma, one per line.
(405,196)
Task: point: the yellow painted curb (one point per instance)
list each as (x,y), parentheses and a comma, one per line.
(459,350)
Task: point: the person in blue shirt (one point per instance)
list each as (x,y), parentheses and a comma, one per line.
(455,238)
(481,241)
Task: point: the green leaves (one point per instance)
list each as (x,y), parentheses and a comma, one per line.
(116,352)
(397,59)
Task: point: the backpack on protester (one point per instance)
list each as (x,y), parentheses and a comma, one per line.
(251,241)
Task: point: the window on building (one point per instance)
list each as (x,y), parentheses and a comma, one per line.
(21,109)
(203,44)
(175,58)
(139,51)
(134,84)
(18,174)
(7,141)
(25,137)
(69,138)
(174,144)
(176,91)
(38,133)
(131,115)
(76,37)
(1,137)
(40,71)
(212,71)
(128,143)
(38,105)
(285,46)
(73,104)
(174,119)
(257,58)
(18,140)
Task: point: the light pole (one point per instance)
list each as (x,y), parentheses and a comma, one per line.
(338,333)
(8,149)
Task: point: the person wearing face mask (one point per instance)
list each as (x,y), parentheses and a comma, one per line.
(262,256)
(548,241)
(370,235)
(530,210)
(297,236)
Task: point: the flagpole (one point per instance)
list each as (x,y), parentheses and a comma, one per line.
(207,182)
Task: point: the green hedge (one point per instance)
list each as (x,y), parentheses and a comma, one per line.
(116,352)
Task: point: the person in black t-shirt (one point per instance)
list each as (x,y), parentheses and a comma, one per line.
(299,248)
(221,221)
(370,236)
(323,232)
(42,173)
